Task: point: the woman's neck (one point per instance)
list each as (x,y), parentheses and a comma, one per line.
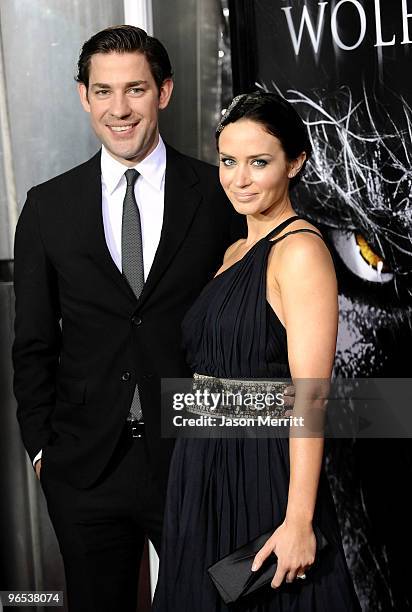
(260,225)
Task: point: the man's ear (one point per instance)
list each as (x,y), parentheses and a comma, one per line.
(82,89)
(165,93)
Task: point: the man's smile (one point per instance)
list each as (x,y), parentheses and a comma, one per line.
(122,129)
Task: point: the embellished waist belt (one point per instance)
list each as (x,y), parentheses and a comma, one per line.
(231,397)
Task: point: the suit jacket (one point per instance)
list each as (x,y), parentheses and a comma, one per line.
(82,340)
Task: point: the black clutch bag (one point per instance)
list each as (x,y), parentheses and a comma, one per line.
(233,577)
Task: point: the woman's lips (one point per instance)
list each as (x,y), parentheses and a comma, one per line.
(244,197)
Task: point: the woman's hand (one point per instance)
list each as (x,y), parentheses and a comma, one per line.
(295,547)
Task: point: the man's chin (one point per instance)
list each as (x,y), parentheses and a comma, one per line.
(127,156)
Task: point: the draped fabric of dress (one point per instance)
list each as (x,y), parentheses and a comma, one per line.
(224,492)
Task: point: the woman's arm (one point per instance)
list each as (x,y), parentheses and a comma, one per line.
(308,290)
(307,285)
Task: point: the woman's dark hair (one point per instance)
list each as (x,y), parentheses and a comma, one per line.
(125,39)
(278,117)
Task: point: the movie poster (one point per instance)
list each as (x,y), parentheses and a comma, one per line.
(346,66)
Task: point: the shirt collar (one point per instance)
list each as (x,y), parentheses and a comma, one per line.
(152,168)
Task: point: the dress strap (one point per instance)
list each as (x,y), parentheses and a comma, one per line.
(303,229)
(281,226)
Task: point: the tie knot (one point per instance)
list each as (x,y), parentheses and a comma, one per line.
(131,176)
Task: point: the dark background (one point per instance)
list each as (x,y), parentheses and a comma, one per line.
(370,478)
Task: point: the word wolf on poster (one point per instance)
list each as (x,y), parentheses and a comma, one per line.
(345,65)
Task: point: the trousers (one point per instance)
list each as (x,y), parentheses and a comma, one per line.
(101,530)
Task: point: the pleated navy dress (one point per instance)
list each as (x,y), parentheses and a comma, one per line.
(224,492)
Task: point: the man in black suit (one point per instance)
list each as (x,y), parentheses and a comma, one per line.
(100,294)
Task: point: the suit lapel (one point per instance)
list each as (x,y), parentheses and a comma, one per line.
(182,199)
(88,199)
(181,202)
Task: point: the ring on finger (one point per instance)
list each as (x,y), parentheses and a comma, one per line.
(303,576)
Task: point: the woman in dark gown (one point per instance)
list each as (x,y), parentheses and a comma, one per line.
(271,311)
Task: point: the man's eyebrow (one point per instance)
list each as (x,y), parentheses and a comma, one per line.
(107,86)
(134,83)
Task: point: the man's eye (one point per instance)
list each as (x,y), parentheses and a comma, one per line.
(102,92)
(227,161)
(135,90)
(260,163)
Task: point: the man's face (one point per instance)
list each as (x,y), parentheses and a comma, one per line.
(124,101)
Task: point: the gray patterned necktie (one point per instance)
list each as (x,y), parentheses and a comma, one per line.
(132,259)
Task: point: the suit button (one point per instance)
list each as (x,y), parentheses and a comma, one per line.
(126,376)
(136,321)
(148,375)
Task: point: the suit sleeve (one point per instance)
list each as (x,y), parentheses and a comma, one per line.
(236,226)
(37,343)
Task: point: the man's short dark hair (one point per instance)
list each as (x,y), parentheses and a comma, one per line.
(125,39)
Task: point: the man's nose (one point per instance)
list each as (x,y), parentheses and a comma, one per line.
(120,106)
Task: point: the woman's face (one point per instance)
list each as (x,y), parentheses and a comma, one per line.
(253,167)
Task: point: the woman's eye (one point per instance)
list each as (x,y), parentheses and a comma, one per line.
(227,161)
(260,163)
(360,258)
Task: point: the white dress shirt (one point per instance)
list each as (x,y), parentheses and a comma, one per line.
(149,192)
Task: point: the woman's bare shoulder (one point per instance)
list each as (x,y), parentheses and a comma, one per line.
(299,224)
(299,252)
